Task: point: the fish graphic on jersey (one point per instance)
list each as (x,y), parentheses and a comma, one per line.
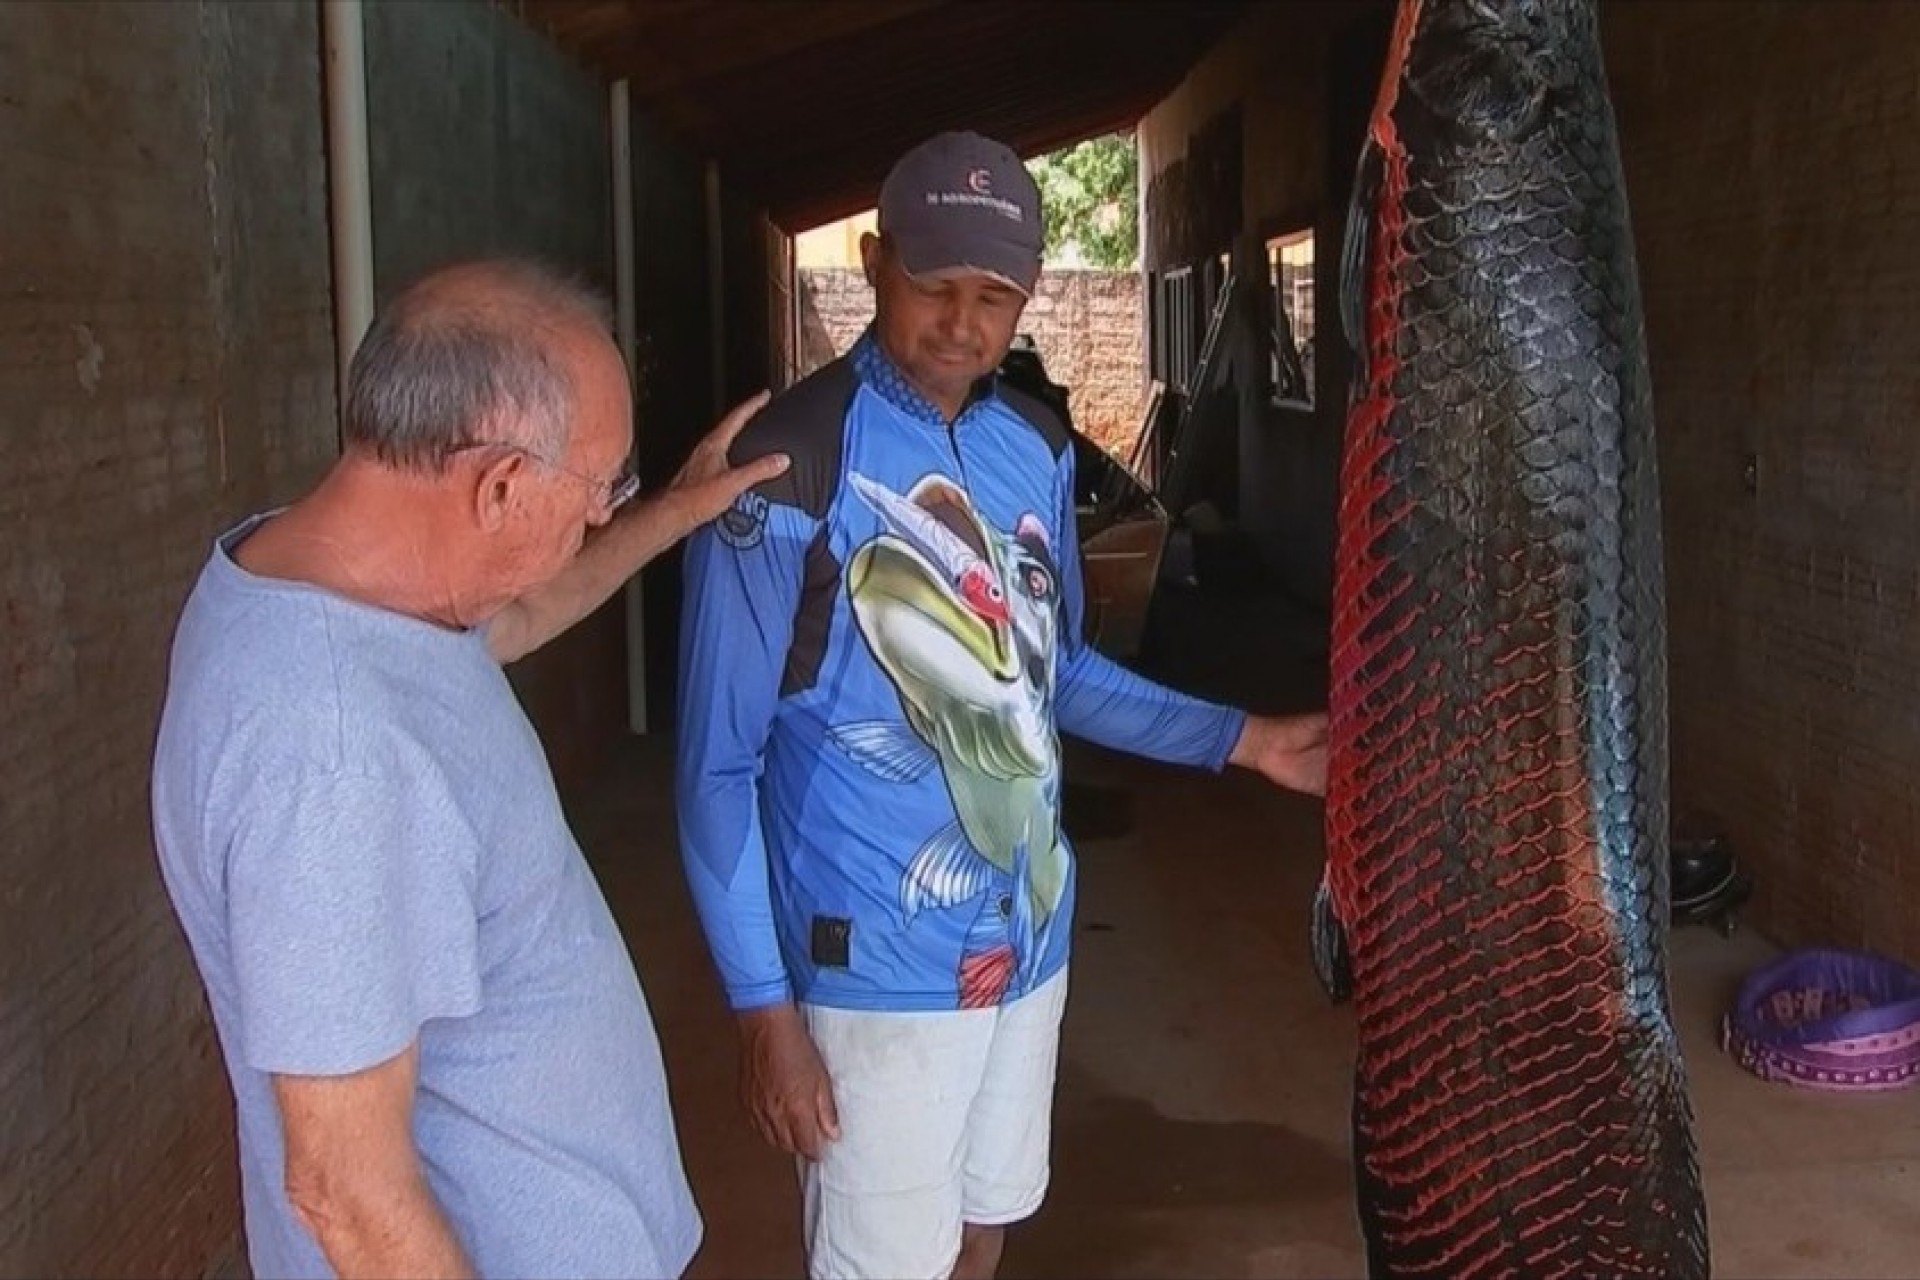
(962,618)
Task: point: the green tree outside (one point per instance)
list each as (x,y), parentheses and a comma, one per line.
(1091,196)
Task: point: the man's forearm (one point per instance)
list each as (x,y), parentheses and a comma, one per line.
(610,556)
(1103,702)
(354,1176)
(381,1231)
(724,854)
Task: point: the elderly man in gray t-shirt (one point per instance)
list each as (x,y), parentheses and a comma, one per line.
(441,1057)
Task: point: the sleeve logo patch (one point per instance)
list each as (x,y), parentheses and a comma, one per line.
(743,524)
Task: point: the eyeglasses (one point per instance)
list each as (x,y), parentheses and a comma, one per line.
(613,494)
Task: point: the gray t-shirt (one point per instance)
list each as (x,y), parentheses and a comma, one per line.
(360,833)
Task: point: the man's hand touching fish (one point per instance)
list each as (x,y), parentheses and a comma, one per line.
(1289,751)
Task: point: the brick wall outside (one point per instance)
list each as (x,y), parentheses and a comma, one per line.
(166,366)
(1775,185)
(1087,325)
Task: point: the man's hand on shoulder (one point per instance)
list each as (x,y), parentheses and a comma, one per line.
(1289,751)
(708,483)
(706,486)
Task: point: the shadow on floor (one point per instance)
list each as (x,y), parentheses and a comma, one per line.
(1201,1125)
(1122,1170)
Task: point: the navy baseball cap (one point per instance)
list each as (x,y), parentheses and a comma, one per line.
(962,204)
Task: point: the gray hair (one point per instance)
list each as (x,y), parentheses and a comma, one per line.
(468,356)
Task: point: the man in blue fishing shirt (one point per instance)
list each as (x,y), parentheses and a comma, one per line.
(879,652)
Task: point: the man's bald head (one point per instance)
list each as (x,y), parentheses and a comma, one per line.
(470,354)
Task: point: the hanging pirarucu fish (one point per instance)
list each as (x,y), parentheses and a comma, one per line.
(1497,883)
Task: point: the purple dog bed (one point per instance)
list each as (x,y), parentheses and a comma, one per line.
(1837,1020)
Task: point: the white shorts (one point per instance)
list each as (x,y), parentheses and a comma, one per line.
(945,1118)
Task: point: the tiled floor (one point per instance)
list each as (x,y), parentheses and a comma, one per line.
(1202,1108)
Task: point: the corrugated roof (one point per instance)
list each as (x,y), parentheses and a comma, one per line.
(806,103)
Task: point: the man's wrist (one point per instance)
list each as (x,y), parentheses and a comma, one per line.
(1246,747)
(1229,744)
(679,514)
(767,1017)
(665,516)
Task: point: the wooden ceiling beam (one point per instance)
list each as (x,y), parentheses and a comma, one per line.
(578,24)
(803,198)
(806,102)
(737,39)
(1015,103)
(911,74)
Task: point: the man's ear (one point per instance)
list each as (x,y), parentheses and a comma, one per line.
(870,251)
(496,489)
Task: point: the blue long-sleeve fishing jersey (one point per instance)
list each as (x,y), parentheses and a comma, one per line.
(878,652)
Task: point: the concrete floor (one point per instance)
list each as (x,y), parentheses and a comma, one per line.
(1201,1127)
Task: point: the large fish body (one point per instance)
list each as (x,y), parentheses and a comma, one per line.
(1497,813)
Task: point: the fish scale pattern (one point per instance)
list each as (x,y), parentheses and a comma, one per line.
(1497,812)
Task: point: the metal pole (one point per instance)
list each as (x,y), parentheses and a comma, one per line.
(349,183)
(716,288)
(620,130)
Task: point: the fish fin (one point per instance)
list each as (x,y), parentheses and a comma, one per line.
(952,510)
(920,528)
(1354,258)
(1025,936)
(985,977)
(885,748)
(1332,963)
(947,871)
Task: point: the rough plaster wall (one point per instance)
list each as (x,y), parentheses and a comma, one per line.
(1087,325)
(1775,186)
(485,140)
(675,363)
(1266,88)
(166,367)
(1272,66)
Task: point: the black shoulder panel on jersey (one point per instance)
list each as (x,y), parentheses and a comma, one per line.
(808,423)
(1040,416)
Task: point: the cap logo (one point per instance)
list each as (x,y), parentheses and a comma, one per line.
(978,198)
(980,182)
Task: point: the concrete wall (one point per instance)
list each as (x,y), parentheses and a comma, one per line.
(484,140)
(1774,183)
(1087,325)
(1253,143)
(487,140)
(675,378)
(166,366)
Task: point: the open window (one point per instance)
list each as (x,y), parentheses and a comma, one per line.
(1290,279)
